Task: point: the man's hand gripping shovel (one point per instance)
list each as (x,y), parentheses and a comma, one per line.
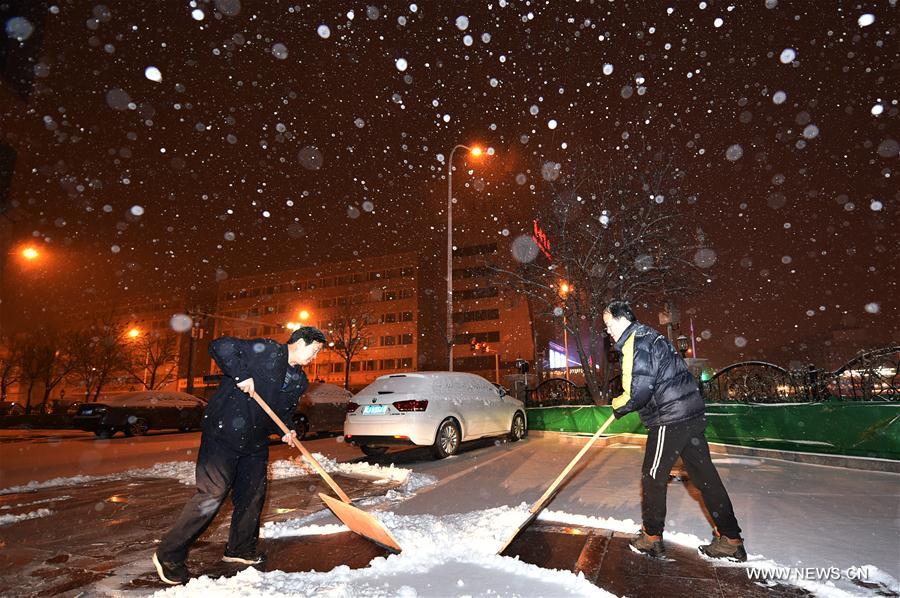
(356,519)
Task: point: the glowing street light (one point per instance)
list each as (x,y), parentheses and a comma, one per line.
(30,253)
(304,315)
(475,152)
(134,333)
(564,290)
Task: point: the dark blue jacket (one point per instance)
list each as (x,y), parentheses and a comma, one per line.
(232,416)
(655,379)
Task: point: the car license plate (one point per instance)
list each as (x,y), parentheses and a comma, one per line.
(375,409)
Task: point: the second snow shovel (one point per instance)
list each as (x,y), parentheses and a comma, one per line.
(356,519)
(543,500)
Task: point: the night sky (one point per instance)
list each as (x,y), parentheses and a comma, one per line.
(278,135)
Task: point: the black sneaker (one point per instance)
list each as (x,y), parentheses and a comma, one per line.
(642,544)
(721,548)
(255,559)
(171,572)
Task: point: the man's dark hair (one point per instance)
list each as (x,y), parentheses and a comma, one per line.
(309,334)
(619,308)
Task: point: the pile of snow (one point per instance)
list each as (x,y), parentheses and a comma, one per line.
(454,555)
(7,519)
(409,482)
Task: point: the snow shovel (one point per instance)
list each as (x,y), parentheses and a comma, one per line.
(356,519)
(543,500)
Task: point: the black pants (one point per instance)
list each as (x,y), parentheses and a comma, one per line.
(220,469)
(686,440)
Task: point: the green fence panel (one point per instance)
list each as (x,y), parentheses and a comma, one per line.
(855,429)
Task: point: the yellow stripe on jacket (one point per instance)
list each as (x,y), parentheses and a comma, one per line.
(627,363)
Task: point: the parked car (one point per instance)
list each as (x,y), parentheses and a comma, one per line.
(135,413)
(322,408)
(436,409)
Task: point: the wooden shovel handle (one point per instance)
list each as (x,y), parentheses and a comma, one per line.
(316,465)
(540,502)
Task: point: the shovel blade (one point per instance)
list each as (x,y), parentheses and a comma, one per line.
(362,523)
(518,530)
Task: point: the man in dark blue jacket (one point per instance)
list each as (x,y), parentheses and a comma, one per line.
(234,446)
(657,384)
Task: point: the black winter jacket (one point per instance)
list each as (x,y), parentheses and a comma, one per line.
(232,416)
(655,379)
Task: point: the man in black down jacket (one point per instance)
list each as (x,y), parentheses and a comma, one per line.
(234,446)
(658,385)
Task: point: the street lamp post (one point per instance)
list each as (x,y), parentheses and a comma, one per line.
(564,289)
(475,151)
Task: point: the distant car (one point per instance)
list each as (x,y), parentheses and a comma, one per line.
(10,408)
(322,408)
(135,413)
(436,409)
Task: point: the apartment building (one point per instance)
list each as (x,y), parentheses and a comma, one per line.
(401,300)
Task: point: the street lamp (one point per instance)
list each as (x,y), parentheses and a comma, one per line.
(564,290)
(475,152)
(30,253)
(682,344)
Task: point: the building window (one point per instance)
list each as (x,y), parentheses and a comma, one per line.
(479,293)
(406,293)
(478,315)
(253,332)
(388,318)
(475,250)
(405,362)
(474,272)
(408,271)
(371,365)
(481,337)
(355,366)
(337,367)
(406,316)
(388,341)
(388,364)
(405,339)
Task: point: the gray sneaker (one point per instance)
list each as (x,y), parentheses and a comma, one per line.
(643,544)
(721,548)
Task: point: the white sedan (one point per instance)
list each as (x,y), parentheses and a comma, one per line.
(436,409)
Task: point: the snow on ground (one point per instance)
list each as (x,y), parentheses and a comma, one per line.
(754,561)
(452,555)
(183,471)
(7,519)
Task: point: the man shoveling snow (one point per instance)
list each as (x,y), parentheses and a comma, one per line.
(657,384)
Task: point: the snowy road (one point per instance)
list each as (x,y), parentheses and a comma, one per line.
(794,514)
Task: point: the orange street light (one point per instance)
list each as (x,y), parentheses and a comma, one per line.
(475,152)
(564,289)
(30,253)
(134,333)
(304,315)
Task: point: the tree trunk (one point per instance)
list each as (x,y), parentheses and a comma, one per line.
(347,374)
(28,398)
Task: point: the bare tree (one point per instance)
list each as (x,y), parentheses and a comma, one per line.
(37,360)
(10,364)
(99,351)
(347,333)
(152,360)
(610,232)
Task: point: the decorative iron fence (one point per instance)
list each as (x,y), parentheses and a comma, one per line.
(557,391)
(870,376)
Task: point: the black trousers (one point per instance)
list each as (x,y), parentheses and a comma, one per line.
(688,441)
(220,469)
